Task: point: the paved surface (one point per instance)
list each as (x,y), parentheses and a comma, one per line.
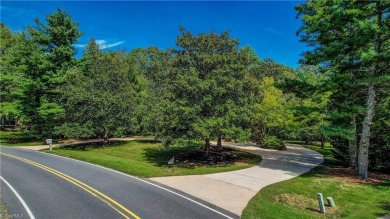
(387,216)
(233,190)
(58,187)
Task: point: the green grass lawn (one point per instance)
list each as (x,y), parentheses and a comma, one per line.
(17,138)
(297,198)
(147,158)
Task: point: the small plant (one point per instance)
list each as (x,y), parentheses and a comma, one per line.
(273,142)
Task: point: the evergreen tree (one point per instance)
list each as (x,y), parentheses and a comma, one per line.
(99,96)
(151,67)
(210,89)
(49,55)
(350,38)
(10,73)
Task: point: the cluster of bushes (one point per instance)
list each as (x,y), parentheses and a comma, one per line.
(272,142)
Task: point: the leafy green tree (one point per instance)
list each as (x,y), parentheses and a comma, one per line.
(48,55)
(99,96)
(209,93)
(272,113)
(309,103)
(270,68)
(350,37)
(151,67)
(10,73)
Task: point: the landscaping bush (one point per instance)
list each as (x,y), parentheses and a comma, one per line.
(272,142)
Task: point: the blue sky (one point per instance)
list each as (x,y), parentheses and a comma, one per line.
(267,26)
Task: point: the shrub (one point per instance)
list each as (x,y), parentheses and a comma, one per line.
(272,142)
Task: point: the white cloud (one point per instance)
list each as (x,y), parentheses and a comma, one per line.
(106,45)
(103,44)
(274,31)
(80,45)
(100,42)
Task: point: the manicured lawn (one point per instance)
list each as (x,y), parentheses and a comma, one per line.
(147,158)
(17,138)
(297,198)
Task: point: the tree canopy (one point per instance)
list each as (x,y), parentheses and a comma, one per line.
(350,39)
(209,87)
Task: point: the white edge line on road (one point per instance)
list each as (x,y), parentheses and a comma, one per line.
(150,183)
(20,198)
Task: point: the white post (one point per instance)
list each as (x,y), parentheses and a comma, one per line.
(321,202)
(49,142)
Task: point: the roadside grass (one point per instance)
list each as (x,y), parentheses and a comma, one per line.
(147,158)
(297,198)
(3,211)
(18,138)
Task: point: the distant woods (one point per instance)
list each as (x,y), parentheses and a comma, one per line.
(210,88)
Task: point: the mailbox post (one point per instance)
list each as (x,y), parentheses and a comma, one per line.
(49,142)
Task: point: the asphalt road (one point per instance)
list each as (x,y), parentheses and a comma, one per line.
(50,186)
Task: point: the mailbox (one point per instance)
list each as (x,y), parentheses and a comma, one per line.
(49,141)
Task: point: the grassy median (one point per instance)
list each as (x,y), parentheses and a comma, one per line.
(148,158)
(297,198)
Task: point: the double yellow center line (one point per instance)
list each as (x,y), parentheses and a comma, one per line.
(126,213)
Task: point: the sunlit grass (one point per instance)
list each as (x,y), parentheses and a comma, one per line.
(148,158)
(297,198)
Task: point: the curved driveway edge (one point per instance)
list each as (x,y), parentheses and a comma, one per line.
(233,190)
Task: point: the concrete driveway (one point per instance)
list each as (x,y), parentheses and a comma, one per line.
(233,190)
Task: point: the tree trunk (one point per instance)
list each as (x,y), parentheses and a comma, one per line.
(365,138)
(2,123)
(219,142)
(207,147)
(105,138)
(367,122)
(352,146)
(322,139)
(322,143)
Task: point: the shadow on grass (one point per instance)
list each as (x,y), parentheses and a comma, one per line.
(93,145)
(96,145)
(314,210)
(161,155)
(385,206)
(15,137)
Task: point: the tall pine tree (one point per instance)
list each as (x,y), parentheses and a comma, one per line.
(50,56)
(350,38)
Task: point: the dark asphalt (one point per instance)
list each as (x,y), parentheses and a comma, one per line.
(49,196)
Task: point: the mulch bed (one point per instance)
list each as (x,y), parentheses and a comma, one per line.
(350,175)
(217,157)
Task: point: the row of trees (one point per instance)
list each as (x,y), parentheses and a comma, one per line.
(351,41)
(209,88)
